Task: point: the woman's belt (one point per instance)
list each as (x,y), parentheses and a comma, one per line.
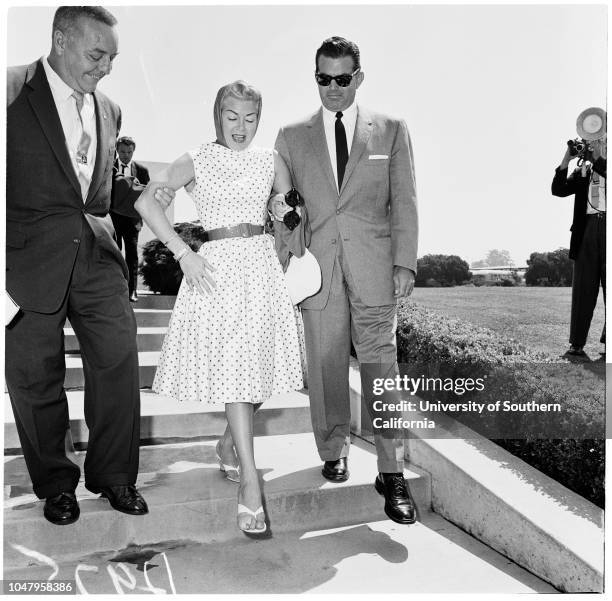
(240,230)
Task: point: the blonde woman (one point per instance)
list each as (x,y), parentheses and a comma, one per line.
(232,338)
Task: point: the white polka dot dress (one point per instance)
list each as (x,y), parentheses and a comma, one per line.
(239,344)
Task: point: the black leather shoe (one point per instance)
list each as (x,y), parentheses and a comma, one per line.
(398,504)
(62,509)
(123,497)
(133,297)
(336,471)
(576,350)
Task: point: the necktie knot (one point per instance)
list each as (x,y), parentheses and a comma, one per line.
(339,115)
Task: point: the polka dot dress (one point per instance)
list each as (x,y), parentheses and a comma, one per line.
(239,344)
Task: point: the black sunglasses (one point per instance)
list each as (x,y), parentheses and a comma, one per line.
(342,80)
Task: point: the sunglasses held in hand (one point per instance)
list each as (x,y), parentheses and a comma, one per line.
(343,80)
(293,199)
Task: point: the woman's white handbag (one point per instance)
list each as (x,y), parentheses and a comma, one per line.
(303,277)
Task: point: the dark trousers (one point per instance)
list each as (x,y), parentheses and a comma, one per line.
(127,230)
(98,307)
(589,275)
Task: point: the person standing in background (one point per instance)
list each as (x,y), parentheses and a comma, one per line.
(129,180)
(587,183)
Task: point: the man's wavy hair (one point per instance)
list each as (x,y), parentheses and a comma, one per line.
(337,47)
(66,17)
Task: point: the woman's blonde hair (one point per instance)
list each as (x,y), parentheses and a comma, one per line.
(242,91)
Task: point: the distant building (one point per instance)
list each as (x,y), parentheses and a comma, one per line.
(493,275)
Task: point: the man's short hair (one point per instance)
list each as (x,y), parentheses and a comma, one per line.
(66,17)
(127,141)
(337,47)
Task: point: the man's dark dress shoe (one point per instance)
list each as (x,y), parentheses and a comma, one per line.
(62,509)
(398,505)
(576,350)
(123,497)
(133,297)
(336,471)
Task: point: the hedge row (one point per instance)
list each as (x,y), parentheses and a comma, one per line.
(436,346)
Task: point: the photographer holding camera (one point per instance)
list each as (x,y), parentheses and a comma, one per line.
(587,183)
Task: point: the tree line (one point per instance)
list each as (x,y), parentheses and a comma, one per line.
(552,268)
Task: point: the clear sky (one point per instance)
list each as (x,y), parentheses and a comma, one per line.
(490,94)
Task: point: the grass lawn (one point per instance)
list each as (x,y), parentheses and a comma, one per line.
(537,317)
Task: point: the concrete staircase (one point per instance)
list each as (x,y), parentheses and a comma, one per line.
(191,502)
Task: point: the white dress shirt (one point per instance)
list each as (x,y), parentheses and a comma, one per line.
(597,194)
(349,119)
(72,126)
(128,168)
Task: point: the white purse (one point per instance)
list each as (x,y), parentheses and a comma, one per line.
(303,277)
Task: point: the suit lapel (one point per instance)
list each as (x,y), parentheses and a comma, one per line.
(103,132)
(363,131)
(42,103)
(316,130)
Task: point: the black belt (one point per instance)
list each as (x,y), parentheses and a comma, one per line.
(240,230)
(600,215)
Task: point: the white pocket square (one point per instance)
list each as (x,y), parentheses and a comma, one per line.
(374,157)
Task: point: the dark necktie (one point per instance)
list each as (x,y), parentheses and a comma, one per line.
(123,168)
(341,148)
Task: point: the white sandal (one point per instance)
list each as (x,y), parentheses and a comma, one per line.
(254,514)
(232,472)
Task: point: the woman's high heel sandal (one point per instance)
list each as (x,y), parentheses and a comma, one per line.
(258,512)
(232,472)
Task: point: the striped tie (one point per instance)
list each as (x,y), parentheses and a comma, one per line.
(84,171)
(85,141)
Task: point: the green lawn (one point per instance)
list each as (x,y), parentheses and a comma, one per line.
(537,317)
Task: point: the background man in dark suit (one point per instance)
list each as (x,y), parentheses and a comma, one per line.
(62,262)
(355,171)
(588,241)
(129,179)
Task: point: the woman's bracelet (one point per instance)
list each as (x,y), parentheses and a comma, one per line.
(181,253)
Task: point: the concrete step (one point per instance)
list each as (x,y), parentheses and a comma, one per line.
(149,300)
(147,361)
(164,419)
(148,339)
(190,499)
(146,318)
(370,558)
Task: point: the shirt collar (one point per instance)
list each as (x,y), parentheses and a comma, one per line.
(349,115)
(58,86)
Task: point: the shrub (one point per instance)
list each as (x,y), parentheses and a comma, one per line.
(549,268)
(442,270)
(160,271)
(436,346)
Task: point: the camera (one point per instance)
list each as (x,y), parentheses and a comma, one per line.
(577,147)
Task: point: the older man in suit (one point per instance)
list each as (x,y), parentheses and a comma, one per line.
(62,262)
(355,171)
(129,179)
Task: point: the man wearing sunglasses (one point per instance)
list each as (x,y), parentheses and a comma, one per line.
(355,171)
